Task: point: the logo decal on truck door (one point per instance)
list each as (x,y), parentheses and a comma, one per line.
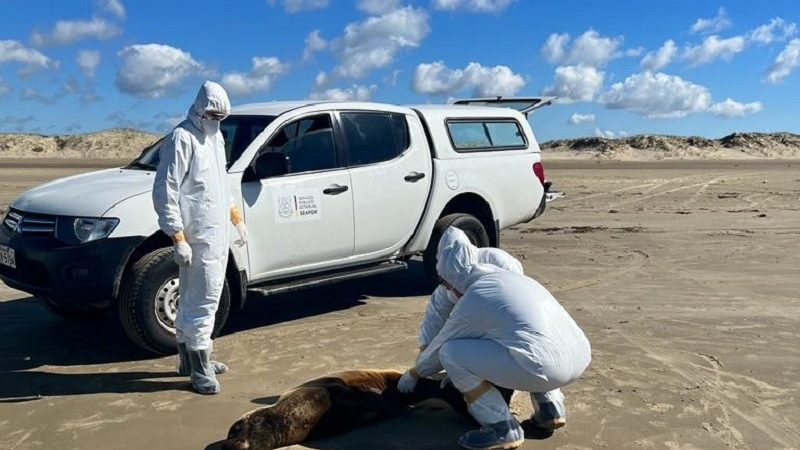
(296,207)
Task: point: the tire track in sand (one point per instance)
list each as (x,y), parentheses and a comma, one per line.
(726,391)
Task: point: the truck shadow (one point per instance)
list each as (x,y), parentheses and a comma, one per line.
(32,337)
(261,310)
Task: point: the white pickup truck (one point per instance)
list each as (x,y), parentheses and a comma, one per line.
(329,191)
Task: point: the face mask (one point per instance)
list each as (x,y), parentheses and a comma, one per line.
(210,127)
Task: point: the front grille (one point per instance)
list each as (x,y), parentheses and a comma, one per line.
(29,224)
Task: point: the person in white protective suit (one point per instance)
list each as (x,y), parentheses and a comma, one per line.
(549,408)
(194,205)
(505,329)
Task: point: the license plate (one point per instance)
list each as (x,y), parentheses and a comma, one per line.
(7,257)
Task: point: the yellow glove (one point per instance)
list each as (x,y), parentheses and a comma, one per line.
(236,215)
(183,252)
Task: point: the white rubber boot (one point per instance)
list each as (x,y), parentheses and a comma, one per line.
(499,430)
(550,411)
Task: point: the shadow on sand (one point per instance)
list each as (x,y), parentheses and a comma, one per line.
(32,337)
(430,425)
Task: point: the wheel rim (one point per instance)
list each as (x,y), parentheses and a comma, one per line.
(166,304)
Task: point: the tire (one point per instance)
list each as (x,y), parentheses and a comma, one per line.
(469,224)
(152,281)
(73,311)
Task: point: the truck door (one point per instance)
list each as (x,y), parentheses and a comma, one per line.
(302,220)
(390,167)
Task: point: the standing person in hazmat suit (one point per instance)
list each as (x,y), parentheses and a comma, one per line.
(194,205)
(505,330)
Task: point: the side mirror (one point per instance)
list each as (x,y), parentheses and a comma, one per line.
(266,165)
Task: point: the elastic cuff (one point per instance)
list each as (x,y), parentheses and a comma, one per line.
(475,393)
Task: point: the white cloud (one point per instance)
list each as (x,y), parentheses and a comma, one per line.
(375,42)
(115,7)
(322,80)
(294,6)
(391,79)
(713,25)
(786,61)
(355,92)
(660,58)
(776,30)
(730,108)
(714,48)
(437,79)
(485,6)
(554,48)
(68,31)
(657,96)
(16,120)
(165,122)
(634,52)
(259,79)
(155,70)
(377,6)
(314,43)
(608,134)
(88,60)
(576,83)
(14,51)
(588,49)
(577,118)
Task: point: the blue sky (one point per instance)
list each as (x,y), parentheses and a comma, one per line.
(619,67)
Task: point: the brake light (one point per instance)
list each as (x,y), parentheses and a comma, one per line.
(538,170)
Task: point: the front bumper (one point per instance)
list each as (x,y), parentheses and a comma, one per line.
(71,274)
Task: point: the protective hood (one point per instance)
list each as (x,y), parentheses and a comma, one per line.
(459,263)
(211,98)
(499,258)
(85,195)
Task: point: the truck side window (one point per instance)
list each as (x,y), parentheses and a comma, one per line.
(374,137)
(307,142)
(469,135)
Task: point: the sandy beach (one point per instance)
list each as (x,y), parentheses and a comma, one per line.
(683,274)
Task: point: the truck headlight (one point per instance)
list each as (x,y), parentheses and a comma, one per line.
(88,230)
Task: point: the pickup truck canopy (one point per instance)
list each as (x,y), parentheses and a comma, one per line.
(521,104)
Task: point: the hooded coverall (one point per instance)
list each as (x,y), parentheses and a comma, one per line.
(506,329)
(192,199)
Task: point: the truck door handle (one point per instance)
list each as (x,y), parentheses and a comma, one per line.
(413,177)
(335,190)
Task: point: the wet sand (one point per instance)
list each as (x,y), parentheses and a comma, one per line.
(684,275)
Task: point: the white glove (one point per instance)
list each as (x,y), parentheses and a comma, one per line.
(407,382)
(242,231)
(183,253)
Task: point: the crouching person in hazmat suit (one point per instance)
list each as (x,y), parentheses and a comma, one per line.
(194,207)
(505,330)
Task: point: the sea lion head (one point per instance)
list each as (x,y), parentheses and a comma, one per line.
(254,431)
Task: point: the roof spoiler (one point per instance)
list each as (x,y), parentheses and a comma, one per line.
(521,104)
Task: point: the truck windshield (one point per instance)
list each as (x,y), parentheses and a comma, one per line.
(238,132)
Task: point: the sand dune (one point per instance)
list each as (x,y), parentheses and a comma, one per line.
(107,144)
(127,144)
(657,147)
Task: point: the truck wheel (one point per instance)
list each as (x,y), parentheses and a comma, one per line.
(148,303)
(72,311)
(470,225)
